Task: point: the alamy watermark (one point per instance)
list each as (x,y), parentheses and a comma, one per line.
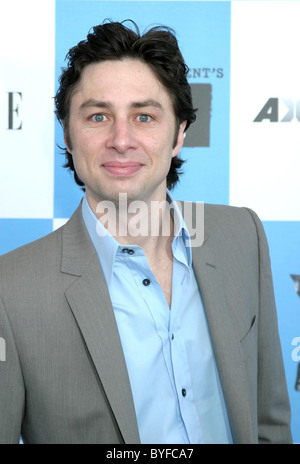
(296,351)
(139,219)
(2,349)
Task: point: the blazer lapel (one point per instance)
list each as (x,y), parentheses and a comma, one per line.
(225,340)
(90,303)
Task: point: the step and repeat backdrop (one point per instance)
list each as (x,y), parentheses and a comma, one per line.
(243,150)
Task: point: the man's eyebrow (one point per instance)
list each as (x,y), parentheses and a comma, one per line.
(91,103)
(145,103)
(94,103)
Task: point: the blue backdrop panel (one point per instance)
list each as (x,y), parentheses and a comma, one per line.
(17,232)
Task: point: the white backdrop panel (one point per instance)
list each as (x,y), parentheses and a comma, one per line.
(27,35)
(265,155)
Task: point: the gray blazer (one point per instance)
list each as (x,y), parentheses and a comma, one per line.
(65,379)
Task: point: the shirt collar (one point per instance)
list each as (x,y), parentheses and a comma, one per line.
(106,246)
(182,243)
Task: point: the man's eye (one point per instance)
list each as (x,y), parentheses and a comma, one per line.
(144,118)
(98,117)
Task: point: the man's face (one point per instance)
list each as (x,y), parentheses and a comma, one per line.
(121,131)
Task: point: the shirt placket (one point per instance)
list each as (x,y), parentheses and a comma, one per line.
(161,314)
(179,358)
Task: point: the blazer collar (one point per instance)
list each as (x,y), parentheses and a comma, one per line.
(77,251)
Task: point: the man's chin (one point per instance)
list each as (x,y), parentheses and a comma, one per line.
(117,197)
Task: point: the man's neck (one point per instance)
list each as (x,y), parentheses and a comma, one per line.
(147,224)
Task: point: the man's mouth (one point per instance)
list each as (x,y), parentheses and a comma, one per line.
(122,169)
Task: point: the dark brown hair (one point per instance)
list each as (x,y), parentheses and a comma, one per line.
(158,48)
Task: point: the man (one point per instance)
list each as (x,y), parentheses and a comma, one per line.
(117,329)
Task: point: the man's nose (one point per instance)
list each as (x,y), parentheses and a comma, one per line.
(121,137)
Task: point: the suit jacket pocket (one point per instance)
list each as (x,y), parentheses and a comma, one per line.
(249,341)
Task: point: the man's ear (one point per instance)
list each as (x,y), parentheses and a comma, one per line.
(180,139)
(67,142)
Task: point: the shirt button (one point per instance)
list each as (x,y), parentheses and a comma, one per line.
(183,392)
(146,282)
(129,251)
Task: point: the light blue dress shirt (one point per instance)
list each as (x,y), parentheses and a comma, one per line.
(174,380)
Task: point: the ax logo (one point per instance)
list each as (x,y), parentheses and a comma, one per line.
(279,110)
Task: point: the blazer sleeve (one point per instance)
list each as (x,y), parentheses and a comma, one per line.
(12,391)
(273,403)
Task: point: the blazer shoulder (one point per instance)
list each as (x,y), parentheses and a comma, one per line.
(235,228)
(22,258)
(240,219)
(228,212)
